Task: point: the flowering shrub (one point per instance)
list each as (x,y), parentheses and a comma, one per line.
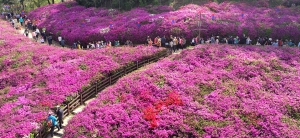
(210,91)
(35,77)
(219,19)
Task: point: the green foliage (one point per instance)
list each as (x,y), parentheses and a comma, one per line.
(4,91)
(199,125)
(206,89)
(250,119)
(290,121)
(83,66)
(276,65)
(161,81)
(58,33)
(230,88)
(293,112)
(229,67)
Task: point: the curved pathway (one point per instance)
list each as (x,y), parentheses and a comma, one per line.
(66,119)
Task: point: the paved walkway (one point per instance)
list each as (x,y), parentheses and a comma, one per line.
(21,31)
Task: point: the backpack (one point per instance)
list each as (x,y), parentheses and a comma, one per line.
(49,123)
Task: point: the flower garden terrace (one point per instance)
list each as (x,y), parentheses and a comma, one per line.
(225,19)
(35,77)
(210,91)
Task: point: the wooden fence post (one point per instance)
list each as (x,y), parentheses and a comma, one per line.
(96,88)
(109,80)
(68,107)
(81,102)
(137,64)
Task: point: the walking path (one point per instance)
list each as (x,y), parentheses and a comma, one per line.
(59,134)
(21,31)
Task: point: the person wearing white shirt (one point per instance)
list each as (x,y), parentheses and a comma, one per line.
(59,39)
(98,45)
(92,45)
(248,40)
(37,32)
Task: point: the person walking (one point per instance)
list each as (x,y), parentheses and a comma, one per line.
(248,41)
(44,36)
(34,27)
(172,45)
(60,114)
(163,41)
(50,39)
(62,42)
(175,43)
(52,123)
(13,23)
(79,45)
(150,42)
(37,32)
(26,32)
(18,17)
(21,21)
(59,39)
(74,45)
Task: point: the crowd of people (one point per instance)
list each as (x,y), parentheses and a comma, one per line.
(244,40)
(173,42)
(99,44)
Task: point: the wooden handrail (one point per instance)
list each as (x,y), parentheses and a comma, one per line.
(102,84)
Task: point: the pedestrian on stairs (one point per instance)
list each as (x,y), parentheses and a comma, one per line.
(52,123)
(60,114)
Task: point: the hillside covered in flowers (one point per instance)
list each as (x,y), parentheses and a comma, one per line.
(224,19)
(210,91)
(36,77)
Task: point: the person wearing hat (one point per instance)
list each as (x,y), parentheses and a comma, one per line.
(60,114)
(52,123)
